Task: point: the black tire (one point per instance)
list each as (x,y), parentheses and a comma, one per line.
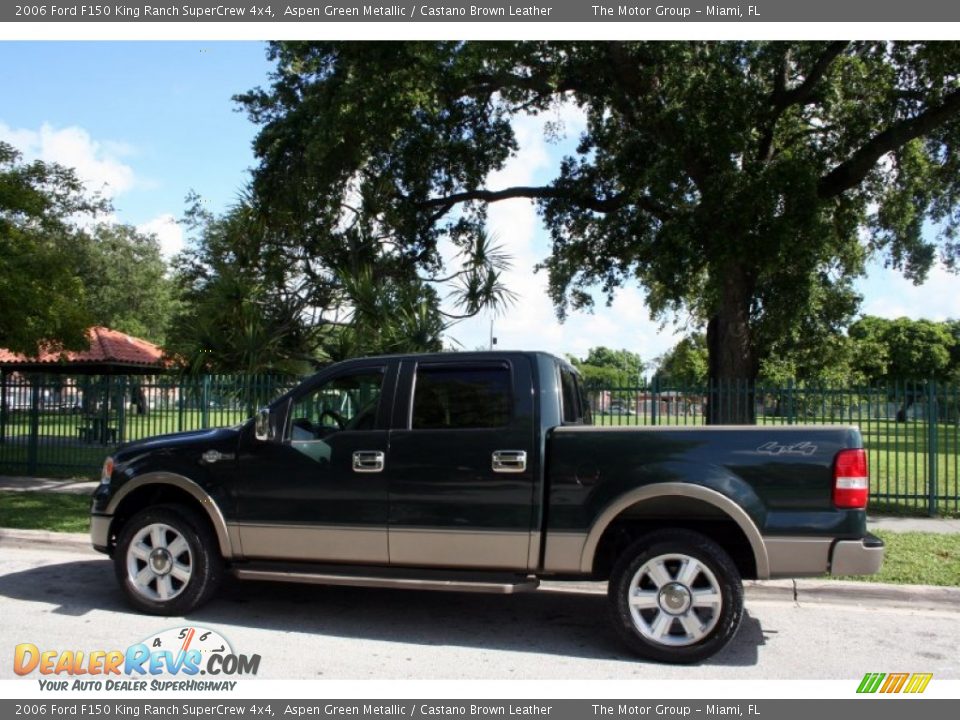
(667,610)
(185,591)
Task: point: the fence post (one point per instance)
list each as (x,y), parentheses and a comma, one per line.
(108,401)
(33,446)
(181,392)
(205,400)
(790,407)
(122,410)
(654,400)
(932,495)
(3,405)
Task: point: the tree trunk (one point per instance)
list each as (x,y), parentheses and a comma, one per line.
(732,356)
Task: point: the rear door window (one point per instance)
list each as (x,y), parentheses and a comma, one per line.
(447,397)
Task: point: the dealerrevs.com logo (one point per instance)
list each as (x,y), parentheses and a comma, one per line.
(171,660)
(889,683)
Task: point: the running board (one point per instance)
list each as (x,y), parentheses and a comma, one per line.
(517,585)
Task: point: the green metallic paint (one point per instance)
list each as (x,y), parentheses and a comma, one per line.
(442,483)
(773,481)
(589,469)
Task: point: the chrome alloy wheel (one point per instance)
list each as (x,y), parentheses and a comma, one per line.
(674,600)
(159,562)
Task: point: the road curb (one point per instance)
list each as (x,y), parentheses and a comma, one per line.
(13,536)
(855,593)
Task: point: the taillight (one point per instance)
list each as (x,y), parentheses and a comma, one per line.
(851,481)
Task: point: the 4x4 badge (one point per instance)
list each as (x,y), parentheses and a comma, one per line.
(773,448)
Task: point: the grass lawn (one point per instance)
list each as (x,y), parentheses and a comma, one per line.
(57,512)
(918,559)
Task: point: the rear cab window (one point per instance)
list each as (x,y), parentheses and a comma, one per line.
(575,409)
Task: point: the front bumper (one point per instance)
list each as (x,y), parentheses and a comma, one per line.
(100,532)
(857,557)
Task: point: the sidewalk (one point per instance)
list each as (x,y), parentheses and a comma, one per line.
(33,484)
(891,523)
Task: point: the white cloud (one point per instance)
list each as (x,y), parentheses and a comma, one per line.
(888,294)
(98,163)
(168,231)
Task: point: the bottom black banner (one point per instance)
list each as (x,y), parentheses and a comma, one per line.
(875,708)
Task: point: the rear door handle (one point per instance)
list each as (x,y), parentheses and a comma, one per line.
(509,461)
(368,461)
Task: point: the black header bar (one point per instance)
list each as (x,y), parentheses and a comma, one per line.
(596,11)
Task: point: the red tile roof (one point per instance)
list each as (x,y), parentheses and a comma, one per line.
(106,346)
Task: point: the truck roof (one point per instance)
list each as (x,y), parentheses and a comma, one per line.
(466,355)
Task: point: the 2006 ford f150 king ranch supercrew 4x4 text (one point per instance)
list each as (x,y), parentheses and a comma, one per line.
(480,471)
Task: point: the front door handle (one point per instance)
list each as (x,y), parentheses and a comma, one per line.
(368,461)
(509,461)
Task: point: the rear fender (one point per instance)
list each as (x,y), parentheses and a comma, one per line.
(732,509)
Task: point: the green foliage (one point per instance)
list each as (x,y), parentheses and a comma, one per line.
(242,308)
(685,364)
(904,349)
(41,247)
(875,350)
(127,283)
(605,367)
(328,194)
(386,317)
(259,296)
(732,180)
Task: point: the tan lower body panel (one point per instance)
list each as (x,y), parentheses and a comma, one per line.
(852,557)
(493,549)
(314,543)
(100,530)
(564,552)
(798,556)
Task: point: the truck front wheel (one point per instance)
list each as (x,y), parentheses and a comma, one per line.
(167,560)
(675,596)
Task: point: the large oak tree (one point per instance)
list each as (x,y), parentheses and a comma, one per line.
(745,183)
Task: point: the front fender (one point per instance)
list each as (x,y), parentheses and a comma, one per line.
(184,483)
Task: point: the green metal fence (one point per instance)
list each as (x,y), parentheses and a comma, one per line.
(65,426)
(910,429)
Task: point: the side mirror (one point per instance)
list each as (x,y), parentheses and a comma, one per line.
(261,428)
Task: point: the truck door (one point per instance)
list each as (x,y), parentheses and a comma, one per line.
(318,493)
(463,464)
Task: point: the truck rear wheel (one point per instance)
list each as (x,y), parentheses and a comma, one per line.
(167,560)
(675,596)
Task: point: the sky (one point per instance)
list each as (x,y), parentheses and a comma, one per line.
(145,123)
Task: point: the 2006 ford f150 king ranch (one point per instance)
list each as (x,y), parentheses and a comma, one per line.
(481,472)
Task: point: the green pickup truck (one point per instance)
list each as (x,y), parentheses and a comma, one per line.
(481,472)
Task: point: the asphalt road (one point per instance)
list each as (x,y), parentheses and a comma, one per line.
(68,598)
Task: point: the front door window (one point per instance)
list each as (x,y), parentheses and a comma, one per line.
(347,402)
